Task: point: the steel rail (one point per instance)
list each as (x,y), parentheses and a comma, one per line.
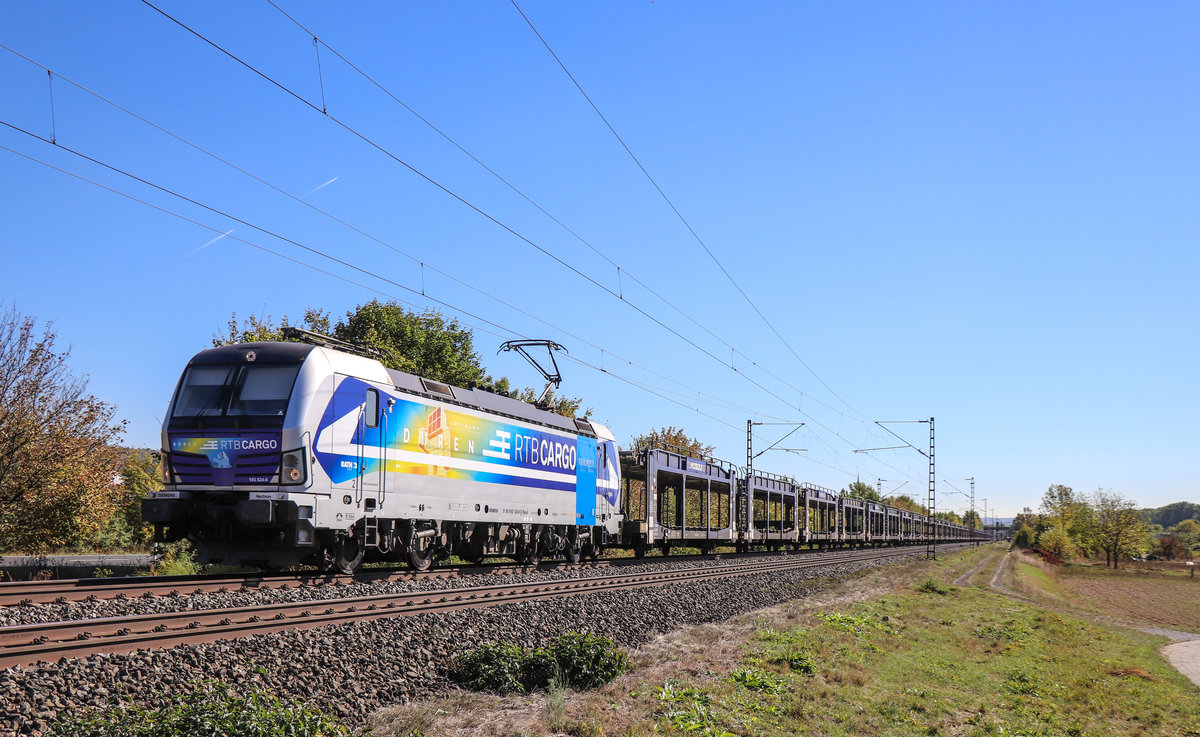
(61,591)
(84,589)
(29,644)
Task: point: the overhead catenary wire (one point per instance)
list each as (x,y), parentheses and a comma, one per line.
(477,209)
(621,271)
(398,285)
(504,330)
(423,265)
(687,225)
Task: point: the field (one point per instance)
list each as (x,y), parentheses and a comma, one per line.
(1147,596)
(898,651)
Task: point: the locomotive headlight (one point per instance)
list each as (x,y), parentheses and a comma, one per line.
(292,470)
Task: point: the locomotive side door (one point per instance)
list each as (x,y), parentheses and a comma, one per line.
(357,408)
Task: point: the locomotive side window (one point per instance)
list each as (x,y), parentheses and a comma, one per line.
(371,412)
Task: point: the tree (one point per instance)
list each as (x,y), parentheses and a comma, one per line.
(425,343)
(1172,514)
(673,438)
(1170,548)
(905,502)
(264,330)
(862,490)
(1025,519)
(1055,539)
(124,529)
(58,454)
(972,519)
(1187,533)
(1024,528)
(1120,529)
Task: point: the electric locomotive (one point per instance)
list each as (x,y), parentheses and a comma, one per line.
(278,454)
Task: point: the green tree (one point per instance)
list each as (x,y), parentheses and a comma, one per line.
(862,490)
(58,454)
(1172,514)
(673,438)
(1187,533)
(972,519)
(1055,539)
(1120,528)
(124,529)
(421,343)
(905,502)
(1025,528)
(264,330)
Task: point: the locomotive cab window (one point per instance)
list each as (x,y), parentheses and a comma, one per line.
(371,410)
(250,396)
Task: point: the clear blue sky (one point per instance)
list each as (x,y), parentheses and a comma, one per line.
(985,213)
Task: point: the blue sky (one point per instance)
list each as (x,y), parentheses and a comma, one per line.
(983,213)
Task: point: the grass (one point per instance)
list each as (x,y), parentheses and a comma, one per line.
(897,651)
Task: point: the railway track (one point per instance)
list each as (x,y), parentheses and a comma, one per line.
(13,593)
(45,642)
(65,590)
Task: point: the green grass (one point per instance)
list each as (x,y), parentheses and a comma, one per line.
(967,662)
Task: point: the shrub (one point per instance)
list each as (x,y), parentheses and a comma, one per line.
(587,661)
(1058,541)
(577,660)
(933,586)
(211,709)
(496,667)
(177,560)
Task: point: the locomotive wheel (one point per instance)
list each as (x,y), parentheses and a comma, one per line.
(573,554)
(530,555)
(348,554)
(420,554)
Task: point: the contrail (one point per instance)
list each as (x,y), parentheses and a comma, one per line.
(214,240)
(326,184)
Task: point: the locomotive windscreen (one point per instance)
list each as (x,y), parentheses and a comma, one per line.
(240,396)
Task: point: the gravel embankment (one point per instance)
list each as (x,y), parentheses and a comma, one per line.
(355,668)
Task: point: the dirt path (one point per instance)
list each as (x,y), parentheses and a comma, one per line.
(965,579)
(1183,654)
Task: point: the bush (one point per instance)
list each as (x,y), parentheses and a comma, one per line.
(210,710)
(494,667)
(577,660)
(1023,538)
(587,661)
(933,586)
(1058,541)
(177,560)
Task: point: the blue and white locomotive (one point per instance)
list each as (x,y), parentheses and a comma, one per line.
(277,454)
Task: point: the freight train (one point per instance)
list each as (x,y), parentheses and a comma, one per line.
(289,453)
